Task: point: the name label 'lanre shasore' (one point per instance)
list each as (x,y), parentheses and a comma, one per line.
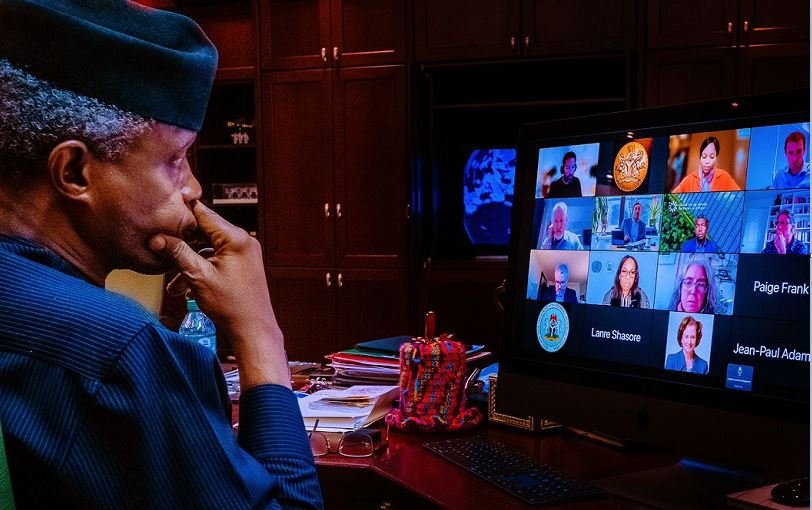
(615,335)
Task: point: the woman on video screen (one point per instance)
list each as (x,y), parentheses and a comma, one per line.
(708,177)
(695,290)
(689,335)
(625,292)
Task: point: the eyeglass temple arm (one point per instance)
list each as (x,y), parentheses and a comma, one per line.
(315,425)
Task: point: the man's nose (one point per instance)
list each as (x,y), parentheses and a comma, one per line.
(192,190)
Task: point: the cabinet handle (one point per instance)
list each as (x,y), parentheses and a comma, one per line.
(527,42)
(326,210)
(729,28)
(340,280)
(336,53)
(513,43)
(324,55)
(746,25)
(338,210)
(327,279)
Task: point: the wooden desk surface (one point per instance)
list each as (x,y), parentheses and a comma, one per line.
(405,475)
(407,464)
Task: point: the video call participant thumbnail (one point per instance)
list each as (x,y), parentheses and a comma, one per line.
(557,275)
(785,241)
(795,174)
(702,222)
(556,235)
(779,157)
(689,335)
(626,291)
(773,356)
(700,242)
(697,283)
(623,336)
(694,290)
(622,279)
(708,177)
(567,171)
(773,287)
(567,185)
(634,229)
(628,222)
(559,291)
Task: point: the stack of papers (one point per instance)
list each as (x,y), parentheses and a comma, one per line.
(378,361)
(347,409)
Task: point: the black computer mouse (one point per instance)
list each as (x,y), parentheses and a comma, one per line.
(792,492)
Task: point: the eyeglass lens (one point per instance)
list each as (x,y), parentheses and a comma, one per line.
(319,444)
(356,444)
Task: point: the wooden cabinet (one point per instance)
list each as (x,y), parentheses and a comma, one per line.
(774,67)
(335,170)
(487,29)
(684,75)
(691,23)
(299,34)
(321,311)
(703,50)
(577,26)
(698,23)
(336,184)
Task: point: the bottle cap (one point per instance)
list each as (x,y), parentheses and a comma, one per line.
(191,306)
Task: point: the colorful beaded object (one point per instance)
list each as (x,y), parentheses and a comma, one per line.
(432,387)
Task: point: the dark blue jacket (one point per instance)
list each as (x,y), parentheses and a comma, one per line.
(103,407)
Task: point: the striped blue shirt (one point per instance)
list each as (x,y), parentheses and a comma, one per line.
(103,407)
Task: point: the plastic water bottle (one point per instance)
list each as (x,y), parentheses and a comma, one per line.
(197,327)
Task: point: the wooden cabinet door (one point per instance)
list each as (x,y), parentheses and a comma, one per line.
(466,29)
(368,32)
(682,76)
(549,27)
(297,155)
(686,23)
(774,67)
(294,34)
(774,22)
(371,167)
(304,305)
(371,304)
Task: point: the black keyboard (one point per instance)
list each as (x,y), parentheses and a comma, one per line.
(511,470)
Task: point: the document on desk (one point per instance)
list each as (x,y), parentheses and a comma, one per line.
(347,409)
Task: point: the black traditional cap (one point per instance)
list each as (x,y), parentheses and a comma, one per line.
(154,63)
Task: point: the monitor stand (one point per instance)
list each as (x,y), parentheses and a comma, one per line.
(688,484)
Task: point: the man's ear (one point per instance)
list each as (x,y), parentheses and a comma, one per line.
(68,168)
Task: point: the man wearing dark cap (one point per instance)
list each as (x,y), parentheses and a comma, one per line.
(101,406)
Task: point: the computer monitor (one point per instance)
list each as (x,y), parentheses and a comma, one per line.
(683,322)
